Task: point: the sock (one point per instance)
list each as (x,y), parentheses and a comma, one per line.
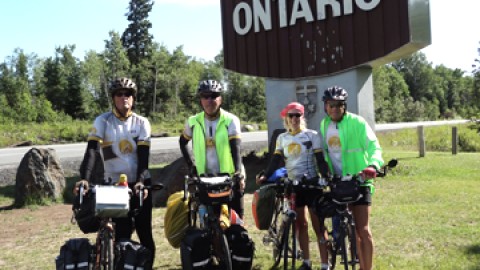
(307,262)
(324,266)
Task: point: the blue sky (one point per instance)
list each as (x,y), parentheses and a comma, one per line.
(39,26)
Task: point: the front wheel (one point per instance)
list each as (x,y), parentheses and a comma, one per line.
(107,251)
(352,239)
(221,249)
(289,244)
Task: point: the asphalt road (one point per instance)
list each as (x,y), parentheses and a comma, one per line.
(13,156)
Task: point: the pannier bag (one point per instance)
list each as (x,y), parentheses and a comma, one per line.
(214,190)
(241,246)
(76,253)
(345,190)
(195,251)
(85,213)
(176,219)
(132,255)
(263,206)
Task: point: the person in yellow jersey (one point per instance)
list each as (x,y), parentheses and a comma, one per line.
(215,135)
(119,143)
(300,149)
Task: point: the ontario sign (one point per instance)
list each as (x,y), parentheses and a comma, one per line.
(289,39)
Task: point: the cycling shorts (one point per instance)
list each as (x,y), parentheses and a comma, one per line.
(366,198)
(306,197)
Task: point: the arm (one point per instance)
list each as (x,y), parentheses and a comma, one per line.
(183,141)
(89,159)
(236,154)
(321,164)
(143,154)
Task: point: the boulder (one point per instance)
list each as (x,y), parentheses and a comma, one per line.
(39,176)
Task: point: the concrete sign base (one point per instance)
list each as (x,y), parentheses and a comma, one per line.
(358,83)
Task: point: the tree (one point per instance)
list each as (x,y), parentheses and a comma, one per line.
(136,38)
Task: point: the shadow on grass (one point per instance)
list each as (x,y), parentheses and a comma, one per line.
(474,253)
(8,192)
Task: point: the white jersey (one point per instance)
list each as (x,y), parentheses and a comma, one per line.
(119,141)
(213,166)
(334,148)
(298,150)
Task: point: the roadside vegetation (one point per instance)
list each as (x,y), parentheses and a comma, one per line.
(425,213)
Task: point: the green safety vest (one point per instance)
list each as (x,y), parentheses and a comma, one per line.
(222,145)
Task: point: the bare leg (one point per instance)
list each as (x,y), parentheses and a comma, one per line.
(322,236)
(361,214)
(302,228)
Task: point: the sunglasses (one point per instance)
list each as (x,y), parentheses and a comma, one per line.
(336,105)
(291,115)
(210,96)
(123,94)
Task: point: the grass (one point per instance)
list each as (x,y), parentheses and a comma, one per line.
(425,213)
(425,216)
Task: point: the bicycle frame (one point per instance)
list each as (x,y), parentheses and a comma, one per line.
(211,220)
(282,231)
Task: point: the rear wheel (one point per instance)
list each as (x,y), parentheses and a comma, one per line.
(289,244)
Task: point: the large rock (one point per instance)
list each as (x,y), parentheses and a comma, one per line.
(172,177)
(39,176)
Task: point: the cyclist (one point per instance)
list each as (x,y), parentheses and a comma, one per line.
(299,147)
(350,147)
(120,142)
(215,135)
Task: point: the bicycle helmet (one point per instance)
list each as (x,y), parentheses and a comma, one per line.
(324,206)
(123,84)
(335,93)
(209,86)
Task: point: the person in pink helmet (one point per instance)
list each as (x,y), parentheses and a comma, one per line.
(299,147)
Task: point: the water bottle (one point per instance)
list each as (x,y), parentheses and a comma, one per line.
(202,211)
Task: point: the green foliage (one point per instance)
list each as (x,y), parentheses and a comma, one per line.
(437,138)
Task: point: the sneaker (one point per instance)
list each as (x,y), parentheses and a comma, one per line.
(325,268)
(305,266)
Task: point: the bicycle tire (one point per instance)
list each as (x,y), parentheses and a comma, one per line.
(352,240)
(289,244)
(332,249)
(106,260)
(275,232)
(221,249)
(342,246)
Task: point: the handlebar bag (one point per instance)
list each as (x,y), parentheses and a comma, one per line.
(112,201)
(215,190)
(346,191)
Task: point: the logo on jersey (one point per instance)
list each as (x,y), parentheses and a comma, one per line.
(125,146)
(294,149)
(334,143)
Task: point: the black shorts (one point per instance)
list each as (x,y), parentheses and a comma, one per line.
(366,198)
(306,197)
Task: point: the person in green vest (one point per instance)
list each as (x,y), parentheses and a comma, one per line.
(215,135)
(351,147)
